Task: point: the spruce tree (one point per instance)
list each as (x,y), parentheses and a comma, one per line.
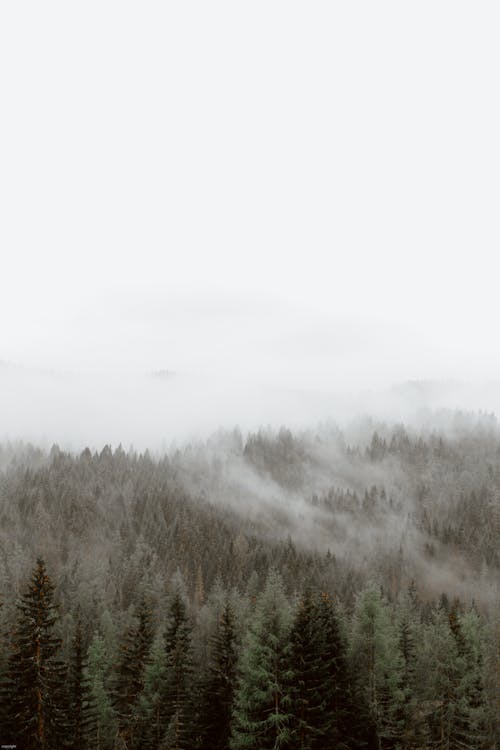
(101,729)
(377,665)
(261,714)
(130,673)
(312,711)
(409,633)
(178,704)
(78,698)
(455,687)
(219,685)
(342,716)
(470,727)
(38,710)
(151,700)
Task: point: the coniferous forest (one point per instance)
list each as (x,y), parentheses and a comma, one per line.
(279,589)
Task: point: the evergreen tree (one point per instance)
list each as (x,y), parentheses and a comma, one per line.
(78,698)
(101,730)
(456,690)
(437,664)
(413,732)
(342,715)
(130,673)
(152,710)
(377,665)
(470,728)
(178,704)
(261,715)
(218,688)
(5,688)
(311,706)
(38,714)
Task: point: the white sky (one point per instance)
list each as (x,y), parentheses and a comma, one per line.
(301,191)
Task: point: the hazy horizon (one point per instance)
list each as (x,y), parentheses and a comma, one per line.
(277,198)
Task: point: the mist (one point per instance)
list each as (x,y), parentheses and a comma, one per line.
(157,409)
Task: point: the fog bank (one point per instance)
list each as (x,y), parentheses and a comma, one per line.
(153,410)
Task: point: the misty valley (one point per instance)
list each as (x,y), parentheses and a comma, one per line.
(308,589)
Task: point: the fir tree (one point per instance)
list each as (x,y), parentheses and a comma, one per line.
(342,716)
(130,673)
(377,666)
(38,715)
(219,686)
(413,731)
(152,709)
(179,711)
(78,698)
(471,714)
(261,715)
(311,707)
(102,727)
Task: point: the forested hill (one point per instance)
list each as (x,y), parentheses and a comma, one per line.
(205,550)
(383,502)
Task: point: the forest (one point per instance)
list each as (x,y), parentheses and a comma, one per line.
(309,589)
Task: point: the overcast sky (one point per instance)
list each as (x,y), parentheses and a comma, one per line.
(302,192)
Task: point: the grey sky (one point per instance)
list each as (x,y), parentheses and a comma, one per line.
(301,192)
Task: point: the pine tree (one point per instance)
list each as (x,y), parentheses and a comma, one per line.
(102,726)
(78,698)
(442,667)
(377,665)
(5,696)
(261,715)
(219,685)
(413,731)
(343,727)
(311,708)
(38,714)
(152,709)
(130,673)
(178,705)
(471,713)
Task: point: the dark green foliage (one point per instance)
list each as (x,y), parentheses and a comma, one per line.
(261,716)
(376,664)
(36,677)
(101,730)
(312,700)
(130,675)
(344,725)
(323,711)
(179,714)
(152,705)
(78,700)
(219,685)
(470,712)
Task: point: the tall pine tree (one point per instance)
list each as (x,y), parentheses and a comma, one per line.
(38,710)
(78,699)
(101,730)
(152,707)
(261,715)
(312,711)
(178,704)
(377,665)
(219,685)
(130,673)
(343,726)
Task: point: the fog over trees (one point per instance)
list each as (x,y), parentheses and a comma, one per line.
(249,375)
(310,589)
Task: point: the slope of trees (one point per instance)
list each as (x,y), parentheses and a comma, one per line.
(296,591)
